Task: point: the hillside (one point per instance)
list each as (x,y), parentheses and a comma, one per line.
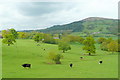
(72,27)
(89,25)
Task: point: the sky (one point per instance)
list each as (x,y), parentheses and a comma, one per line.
(39,14)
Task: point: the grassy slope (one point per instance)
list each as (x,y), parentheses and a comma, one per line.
(100,34)
(26,51)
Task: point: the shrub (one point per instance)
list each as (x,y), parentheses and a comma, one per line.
(64,46)
(55,57)
(104,46)
(113,46)
(101,40)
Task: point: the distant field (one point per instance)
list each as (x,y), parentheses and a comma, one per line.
(27,51)
(100,34)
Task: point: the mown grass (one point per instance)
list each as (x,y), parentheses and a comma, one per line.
(27,51)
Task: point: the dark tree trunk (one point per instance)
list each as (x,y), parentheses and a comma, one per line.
(8,44)
(89,53)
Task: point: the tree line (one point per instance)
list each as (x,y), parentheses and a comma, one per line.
(63,41)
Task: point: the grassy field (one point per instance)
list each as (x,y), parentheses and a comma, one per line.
(100,35)
(26,51)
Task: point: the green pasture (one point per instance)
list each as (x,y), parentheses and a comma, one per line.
(27,51)
(100,35)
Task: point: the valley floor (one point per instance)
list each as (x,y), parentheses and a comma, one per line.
(27,51)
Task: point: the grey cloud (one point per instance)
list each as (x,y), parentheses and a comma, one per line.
(40,8)
(39,15)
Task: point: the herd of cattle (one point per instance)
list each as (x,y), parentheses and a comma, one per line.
(71,65)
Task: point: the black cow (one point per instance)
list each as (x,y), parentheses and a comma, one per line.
(71,65)
(81,57)
(44,49)
(100,62)
(26,65)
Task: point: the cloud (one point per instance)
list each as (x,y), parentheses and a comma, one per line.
(39,15)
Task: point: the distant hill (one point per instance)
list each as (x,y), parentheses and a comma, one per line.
(91,25)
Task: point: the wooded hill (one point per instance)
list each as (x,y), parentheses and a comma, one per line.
(92,25)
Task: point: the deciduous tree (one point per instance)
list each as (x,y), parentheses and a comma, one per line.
(14,32)
(104,46)
(38,37)
(8,39)
(89,45)
(113,46)
(101,40)
(64,46)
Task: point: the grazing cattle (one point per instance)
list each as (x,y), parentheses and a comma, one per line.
(100,62)
(26,65)
(81,57)
(71,65)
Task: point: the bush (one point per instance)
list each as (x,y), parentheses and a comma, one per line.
(64,46)
(72,38)
(118,47)
(55,57)
(49,39)
(104,46)
(113,46)
(101,40)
